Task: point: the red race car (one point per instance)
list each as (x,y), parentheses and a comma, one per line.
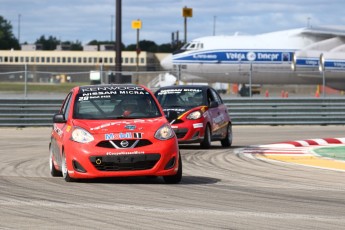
(202,115)
(113,131)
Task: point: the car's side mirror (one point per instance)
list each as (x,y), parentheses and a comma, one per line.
(171,115)
(214,104)
(59,118)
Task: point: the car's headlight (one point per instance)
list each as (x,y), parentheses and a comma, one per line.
(194,115)
(164,133)
(81,135)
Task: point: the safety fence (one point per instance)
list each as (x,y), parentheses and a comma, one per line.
(243,111)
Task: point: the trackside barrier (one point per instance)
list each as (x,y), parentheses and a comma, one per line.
(243,111)
(287,111)
(28,112)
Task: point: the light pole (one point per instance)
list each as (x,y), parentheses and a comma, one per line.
(186,13)
(19,17)
(118,57)
(136,24)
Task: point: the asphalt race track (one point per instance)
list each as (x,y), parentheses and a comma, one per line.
(221,189)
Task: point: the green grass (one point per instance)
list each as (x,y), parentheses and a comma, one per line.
(39,87)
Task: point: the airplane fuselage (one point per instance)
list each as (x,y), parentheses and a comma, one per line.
(259,59)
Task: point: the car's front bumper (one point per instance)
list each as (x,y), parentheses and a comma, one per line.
(88,161)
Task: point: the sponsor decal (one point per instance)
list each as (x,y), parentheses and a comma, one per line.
(177,91)
(68,128)
(112,88)
(141,121)
(127,135)
(198,125)
(58,130)
(124,153)
(130,127)
(218,119)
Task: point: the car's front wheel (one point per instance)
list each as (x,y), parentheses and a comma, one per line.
(206,142)
(53,171)
(64,169)
(175,179)
(227,141)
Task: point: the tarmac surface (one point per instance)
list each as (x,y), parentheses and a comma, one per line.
(221,188)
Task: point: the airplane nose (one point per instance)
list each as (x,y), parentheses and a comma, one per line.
(166,63)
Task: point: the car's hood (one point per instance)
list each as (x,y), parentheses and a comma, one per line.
(125,125)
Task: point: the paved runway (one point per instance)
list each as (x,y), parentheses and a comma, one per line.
(221,189)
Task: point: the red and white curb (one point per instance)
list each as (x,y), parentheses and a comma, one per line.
(292,147)
(297,152)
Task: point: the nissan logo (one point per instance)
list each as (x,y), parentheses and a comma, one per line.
(124,144)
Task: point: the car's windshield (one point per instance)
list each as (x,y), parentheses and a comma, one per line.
(114,106)
(180,97)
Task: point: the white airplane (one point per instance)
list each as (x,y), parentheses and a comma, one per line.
(313,55)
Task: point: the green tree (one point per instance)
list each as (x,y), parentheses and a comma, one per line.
(7,39)
(48,43)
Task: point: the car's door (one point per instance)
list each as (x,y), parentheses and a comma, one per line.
(218,112)
(59,129)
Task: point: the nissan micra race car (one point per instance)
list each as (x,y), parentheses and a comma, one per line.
(202,115)
(113,131)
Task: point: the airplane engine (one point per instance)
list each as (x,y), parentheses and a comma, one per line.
(305,61)
(332,62)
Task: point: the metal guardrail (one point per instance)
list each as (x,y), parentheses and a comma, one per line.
(287,111)
(28,112)
(243,111)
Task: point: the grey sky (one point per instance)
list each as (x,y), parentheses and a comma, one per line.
(87,20)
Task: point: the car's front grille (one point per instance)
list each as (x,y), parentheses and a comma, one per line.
(130,162)
(117,143)
(180,133)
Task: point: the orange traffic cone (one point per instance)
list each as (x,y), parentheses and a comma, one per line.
(286,94)
(317,93)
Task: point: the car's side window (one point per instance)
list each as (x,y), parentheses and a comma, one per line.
(210,97)
(216,96)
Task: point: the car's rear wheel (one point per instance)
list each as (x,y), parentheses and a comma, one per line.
(64,169)
(227,141)
(175,179)
(53,171)
(206,142)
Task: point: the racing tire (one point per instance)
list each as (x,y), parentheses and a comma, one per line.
(206,142)
(227,141)
(64,169)
(175,179)
(53,171)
